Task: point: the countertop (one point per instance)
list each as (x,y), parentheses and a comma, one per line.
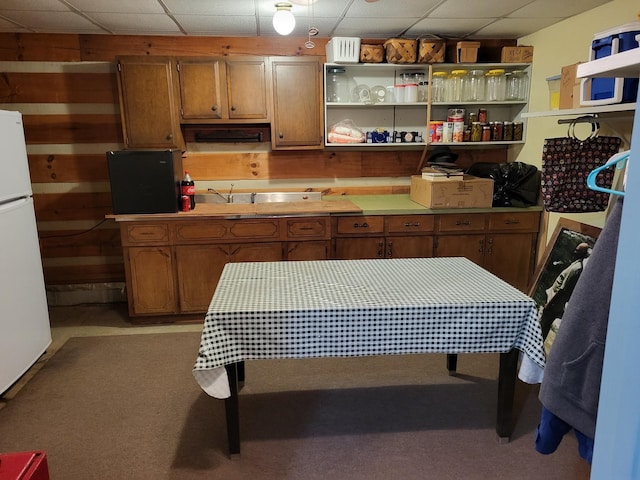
(393,204)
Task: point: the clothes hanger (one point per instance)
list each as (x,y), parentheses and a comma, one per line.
(619,160)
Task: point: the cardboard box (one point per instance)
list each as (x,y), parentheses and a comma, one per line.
(520,54)
(470,192)
(570,87)
(467,52)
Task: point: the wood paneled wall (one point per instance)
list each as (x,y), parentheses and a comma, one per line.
(65,86)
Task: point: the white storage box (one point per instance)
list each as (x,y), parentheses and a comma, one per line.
(343,50)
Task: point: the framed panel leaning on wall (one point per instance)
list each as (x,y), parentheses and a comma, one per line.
(566,255)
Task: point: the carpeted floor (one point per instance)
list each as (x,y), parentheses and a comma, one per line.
(128,407)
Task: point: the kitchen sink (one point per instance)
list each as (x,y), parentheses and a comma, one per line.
(259,197)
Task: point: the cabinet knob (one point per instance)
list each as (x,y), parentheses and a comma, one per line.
(390,250)
(214,108)
(233,108)
(463,222)
(170,136)
(481,246)
(512,221)
(380,249)
(363,225)
(414,224)
(280,135)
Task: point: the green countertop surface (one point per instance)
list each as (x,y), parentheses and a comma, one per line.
(401,204)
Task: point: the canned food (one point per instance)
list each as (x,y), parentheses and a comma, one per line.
(435,131)
(482,115)
(497,131)
(486,133)
(458,131)
(518,128)
(507,133)
(476,132)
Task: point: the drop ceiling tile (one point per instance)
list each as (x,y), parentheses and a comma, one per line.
(391,9)
(218,25)
(565,8)
(211,7)
(447,27)
(117,6)
(6,26)
(34,5)
(515,27)
(52,21)
(477,9)
(131,22)
(365,28)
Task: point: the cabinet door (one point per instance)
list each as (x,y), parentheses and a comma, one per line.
(297,103)
(247,89)
(202,89)
(511,257)
(150,284)
(198,270)
(363,247)
(470,246)
(256,252)
(308,250)
(149,102)
(409,247)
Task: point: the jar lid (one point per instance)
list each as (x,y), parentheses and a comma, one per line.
(439,74)
(496,71)
(458,72)
(476,72)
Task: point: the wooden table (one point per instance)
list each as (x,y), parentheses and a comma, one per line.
(346,308)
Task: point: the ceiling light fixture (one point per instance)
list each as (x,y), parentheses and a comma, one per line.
(283,20)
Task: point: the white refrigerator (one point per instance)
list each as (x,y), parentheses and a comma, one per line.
(25,333)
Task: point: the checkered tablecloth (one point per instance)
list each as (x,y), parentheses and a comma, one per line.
(345,308)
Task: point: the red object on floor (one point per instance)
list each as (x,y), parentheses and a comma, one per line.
(24,466)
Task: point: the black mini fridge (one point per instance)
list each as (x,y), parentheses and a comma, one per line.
(145,181)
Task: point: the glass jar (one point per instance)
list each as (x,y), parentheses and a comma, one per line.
(438,87)
(456,85)
(496,87)
(337,86)
(517,85)
(475,86)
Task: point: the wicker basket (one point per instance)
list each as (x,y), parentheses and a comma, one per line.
(401,50)
(431,50)
(371,53)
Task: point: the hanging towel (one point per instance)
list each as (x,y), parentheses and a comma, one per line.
(571,384)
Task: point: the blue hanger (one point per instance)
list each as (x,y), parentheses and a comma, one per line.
(619,160)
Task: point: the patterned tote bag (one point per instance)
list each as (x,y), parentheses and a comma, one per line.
(566,164)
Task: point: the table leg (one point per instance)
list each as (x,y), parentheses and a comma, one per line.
(506,391)
(452,362)
(232,410)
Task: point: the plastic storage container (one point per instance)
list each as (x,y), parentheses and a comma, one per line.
(343,50)
(553,83)
(606,91)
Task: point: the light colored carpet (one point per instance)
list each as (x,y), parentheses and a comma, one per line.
(128,407)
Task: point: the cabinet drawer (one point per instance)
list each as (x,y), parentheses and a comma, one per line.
(410,223)
(517,221)
(145,234)
(360,225)
(204,231)
(313,228)
(462,222)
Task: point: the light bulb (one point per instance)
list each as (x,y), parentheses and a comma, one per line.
(283,20)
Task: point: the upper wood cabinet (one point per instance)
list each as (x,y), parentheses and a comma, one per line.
(298,115)
(149,102)
(229,90)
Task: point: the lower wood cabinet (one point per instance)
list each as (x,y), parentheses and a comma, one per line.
(151,289)
(173,267)
(198,268)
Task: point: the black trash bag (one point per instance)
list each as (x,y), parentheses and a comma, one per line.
(515,184)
